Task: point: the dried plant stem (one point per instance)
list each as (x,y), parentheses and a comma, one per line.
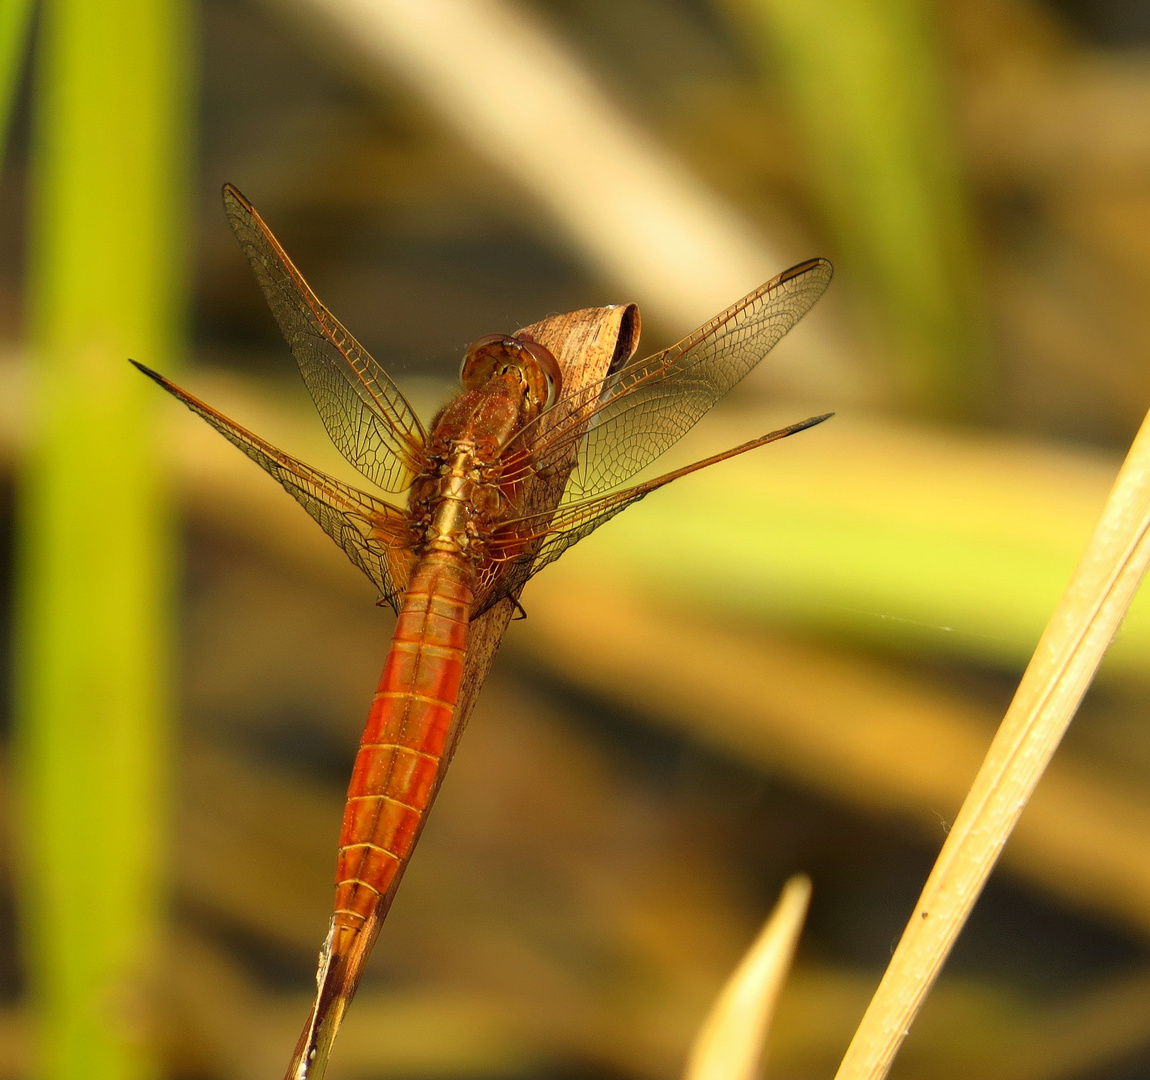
(1061,669)
(729,1045)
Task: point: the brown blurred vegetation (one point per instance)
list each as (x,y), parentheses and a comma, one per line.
(641,773)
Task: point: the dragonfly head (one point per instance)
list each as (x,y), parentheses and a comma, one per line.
(500,354)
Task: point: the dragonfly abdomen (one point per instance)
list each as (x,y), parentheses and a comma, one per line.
(400,754)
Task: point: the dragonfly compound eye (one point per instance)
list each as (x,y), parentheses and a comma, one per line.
(548,368)
(497,354)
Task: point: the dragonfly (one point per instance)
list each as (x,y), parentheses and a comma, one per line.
(473,529)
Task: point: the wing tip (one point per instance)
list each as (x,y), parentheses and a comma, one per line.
(809,422)
(155,376)
(232,194)
(803,268)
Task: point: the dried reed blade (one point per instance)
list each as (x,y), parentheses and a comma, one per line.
(729,1045)
(1061,669)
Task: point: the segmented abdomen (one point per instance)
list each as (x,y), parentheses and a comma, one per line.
(399,757)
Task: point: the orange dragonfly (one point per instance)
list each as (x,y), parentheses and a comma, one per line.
(469,537)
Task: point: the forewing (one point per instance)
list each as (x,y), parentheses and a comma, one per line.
(363,410)
(370,531)
(521,547)
(644,408)
(515,558)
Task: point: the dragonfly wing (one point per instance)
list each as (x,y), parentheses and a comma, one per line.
(363,410)
(521,547)
(645,407)
(371,532)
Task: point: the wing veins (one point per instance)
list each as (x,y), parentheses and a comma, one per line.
(369,530)
(604,418)
(375,428)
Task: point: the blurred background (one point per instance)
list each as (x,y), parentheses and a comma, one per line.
(792,662)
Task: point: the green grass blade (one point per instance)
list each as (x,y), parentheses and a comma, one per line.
(94,559)
(863,78)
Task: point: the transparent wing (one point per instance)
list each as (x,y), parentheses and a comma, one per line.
(641,410)
(372,533)
(363,410)
(521,547)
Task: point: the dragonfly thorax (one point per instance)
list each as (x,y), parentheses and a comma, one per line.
(460,497)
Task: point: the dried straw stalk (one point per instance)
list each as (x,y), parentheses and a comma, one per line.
(1077,636)
(729,1045)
